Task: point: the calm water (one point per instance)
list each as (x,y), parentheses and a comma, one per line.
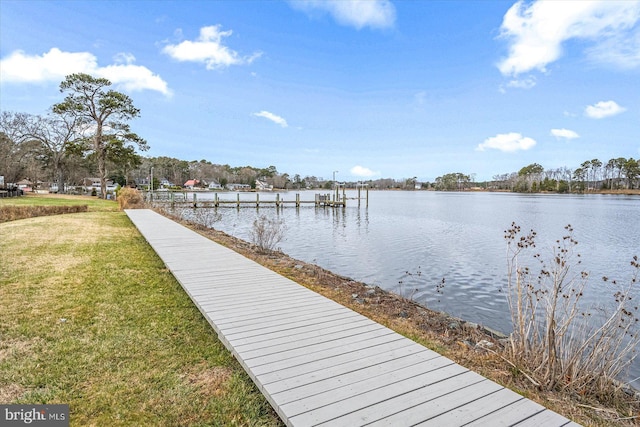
(455,236)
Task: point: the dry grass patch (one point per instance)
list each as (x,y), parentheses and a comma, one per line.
(209,381)
(10,392)
(14,348)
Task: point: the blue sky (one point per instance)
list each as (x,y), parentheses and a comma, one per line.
(371,89)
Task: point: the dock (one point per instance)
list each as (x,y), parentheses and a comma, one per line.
(336,199)
(318,362)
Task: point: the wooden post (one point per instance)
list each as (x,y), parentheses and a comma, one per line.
(278,200)
(195,201)
(216,203)
(238,198)
(367,197)
(172,200)
(344,196)
(257,200)
(298,200)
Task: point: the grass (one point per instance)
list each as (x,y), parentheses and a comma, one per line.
(93,203)
(90,317)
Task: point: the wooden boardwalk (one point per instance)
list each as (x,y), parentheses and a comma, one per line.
(318,362)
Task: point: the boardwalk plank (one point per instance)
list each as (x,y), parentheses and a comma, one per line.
(440,405)
(318,362)
(369,364)
(474,410)
(310,337)
(544,418)
(365,400)
(299,326)
(509,415)
(394,370)
(308,370)
(257,358)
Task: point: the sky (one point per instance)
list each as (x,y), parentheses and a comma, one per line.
(364,89)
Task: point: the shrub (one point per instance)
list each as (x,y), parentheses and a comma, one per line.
(130,198)
(13,213)
(205,217)
(266,233)
(557,340)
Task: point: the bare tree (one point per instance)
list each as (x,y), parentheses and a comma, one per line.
(56,135)
(16,148)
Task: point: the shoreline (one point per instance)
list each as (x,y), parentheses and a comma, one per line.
(466,343)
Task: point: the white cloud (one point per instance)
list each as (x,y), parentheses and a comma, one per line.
(526,83)
(536,32)
(55,65)
(355,13)
(564,133)
(603,109)
(274,118)
(208,49)
(363,172)
(508,142)
(51,66)
(622,51)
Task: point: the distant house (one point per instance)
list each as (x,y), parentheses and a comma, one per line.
(214,185)
(90,183)
(165,183)
(239,187)
(191,184)
(25,185)
(263,186)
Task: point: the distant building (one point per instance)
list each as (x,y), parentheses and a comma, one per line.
(165,183)
(191,184)
(239,187)
(214,185)
(263,186)
(94,183)
(25,185)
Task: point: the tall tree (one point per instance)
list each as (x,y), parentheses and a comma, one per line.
(103,113)
(595,171)
(56,135)
(531,174)
(631,169)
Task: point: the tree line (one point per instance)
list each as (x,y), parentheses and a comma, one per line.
(591,175)
(87,134)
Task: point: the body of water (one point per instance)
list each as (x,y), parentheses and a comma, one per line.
(409,241)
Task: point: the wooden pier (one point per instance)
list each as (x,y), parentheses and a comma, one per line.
(333,200)
(318,362)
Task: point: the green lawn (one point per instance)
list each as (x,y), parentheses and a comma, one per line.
(89,316)
(94,203)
